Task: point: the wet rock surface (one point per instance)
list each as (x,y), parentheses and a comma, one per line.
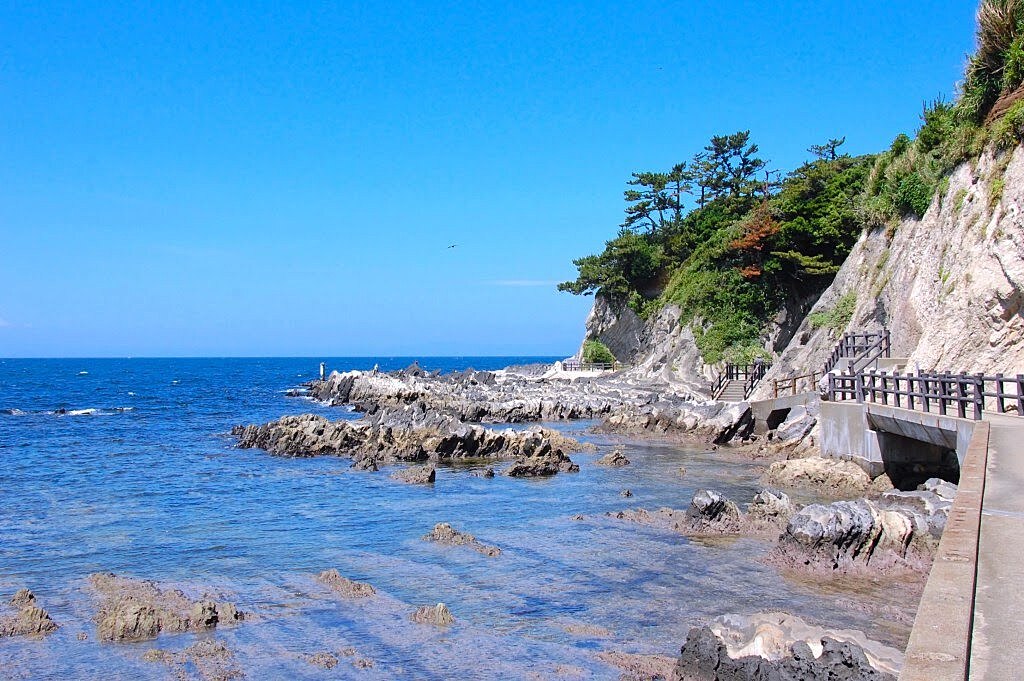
(443,533)
(859,535)
(706,657)
(437,615)
(25,617)
(710,513)
(408,434)
(541,466)
(135,609)
(636,667)
(344,586)
(209,660)
(615,459)
(416,475)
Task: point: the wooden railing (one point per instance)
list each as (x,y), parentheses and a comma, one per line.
(750,374)
(966,393)
(790,385)
(858,345)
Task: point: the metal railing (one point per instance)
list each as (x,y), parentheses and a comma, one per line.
(968,394)
(857,345)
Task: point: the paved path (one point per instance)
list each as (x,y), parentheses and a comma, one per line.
(997,643)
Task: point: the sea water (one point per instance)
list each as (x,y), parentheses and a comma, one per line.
(127,466)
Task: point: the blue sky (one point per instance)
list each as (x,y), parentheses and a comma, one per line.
(256,179)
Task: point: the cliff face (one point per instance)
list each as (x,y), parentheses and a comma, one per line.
(950,286)
(660,349)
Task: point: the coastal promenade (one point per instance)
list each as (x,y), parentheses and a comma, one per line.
(970,622)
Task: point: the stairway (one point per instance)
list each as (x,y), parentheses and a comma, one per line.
(733,391)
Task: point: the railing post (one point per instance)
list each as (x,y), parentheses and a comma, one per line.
(1020,394)
(979,395)
(859,387)
(910,391)
(832,387)
(896,387)
(1000,405)
(961,402)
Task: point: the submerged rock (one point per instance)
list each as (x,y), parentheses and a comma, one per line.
(443,533)
(324,660)
(135,609)
(639,667)
(345,586)
(28,620)
(416,475)
(206,659)
(614,458)
(438,615)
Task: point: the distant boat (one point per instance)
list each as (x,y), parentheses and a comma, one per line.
(83,373)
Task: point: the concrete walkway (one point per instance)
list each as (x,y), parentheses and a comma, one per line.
(997,642)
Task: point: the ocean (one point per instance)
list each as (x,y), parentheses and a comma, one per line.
(127,466)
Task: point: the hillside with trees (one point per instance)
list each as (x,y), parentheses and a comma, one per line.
(732,241)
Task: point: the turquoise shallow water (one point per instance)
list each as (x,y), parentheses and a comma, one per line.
(149,485)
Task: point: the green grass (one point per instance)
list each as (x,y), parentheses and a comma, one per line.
(837,317)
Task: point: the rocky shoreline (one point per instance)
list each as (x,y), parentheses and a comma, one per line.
(422,418)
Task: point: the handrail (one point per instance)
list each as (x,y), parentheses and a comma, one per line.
(575,365)
(854,344)
(791,383)
(920,392)
(875,351)
(750,374)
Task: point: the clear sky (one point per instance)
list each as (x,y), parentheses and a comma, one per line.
(257,179)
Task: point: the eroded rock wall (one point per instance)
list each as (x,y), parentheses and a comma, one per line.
(950,286)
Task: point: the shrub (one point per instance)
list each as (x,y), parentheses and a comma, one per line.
(597,352)
(838,317)
(912,195)
(1008,131)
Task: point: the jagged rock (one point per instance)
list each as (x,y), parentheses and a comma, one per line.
(797,424)
(416,475)
(855,535)
(206,659)
(541,466)
(407,434)
(710,512)
(345,586)
(615,458)
(29,620)
(22,598)
(438,615)
(707,657)
(831,477)
(943,489)
(133,609)
(324,660)
(771,507)
(443,533)
(626,493)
